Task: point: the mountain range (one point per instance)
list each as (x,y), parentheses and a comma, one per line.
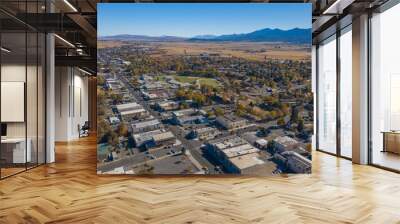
(296,35)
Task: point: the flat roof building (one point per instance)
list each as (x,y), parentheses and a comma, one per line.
(185,112)
(141,139)
(204,133)
(286,143)
(161,139)
(234,153)
(186,120)
(113,84)
(128,106)
(296,162)
(261,143)
(131,110)
(144,126)
(230,122)
(114,120)
(167,105)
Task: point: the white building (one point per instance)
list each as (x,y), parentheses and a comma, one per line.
(204,133)
(113,84)
(145,126)
(114,120)
(235,154)
(230,122)
(296,162)
(141,139)
(185,112)
(165,138)
(261,143)
(129,111)
(167,105)
(285,143)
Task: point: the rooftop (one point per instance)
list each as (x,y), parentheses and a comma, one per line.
(231,118)
(133,111)
(297,157)
(262,142)
(114,119)
(246,161)
(286,141)
(240,150)
(184,112)
(145,124)
(205,129)
(229,142)
(128,106)
(163,136)
(182,119)
(146,135)
(167,103)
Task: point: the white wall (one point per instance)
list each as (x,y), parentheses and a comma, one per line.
(12,73)
(33,125)
(71,87)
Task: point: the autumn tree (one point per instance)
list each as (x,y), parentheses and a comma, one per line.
(218,111)
(123,129)
(280,121)
(300,125)
(295,114)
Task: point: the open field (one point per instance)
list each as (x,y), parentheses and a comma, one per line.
(192,80)
(109,44)
(259,51)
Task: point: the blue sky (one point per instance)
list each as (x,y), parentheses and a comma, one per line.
(188,20)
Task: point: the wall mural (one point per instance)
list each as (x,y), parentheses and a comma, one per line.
(204,88)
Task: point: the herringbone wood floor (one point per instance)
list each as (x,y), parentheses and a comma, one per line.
(69,191)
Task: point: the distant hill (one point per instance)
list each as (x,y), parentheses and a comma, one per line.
(128,37)
(268,35)
(297,36)
(205,37)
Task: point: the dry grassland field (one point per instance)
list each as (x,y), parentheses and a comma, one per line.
(109,44)
(258,51)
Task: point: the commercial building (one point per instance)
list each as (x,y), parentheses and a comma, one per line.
(128,107)
(153,86)
(285,143)
(113,84)
(145,126)
(129,111)
(234,153)
(204,133)
(154,95)
(167,105)
(161,139)
(188,120)
(296,162)
(187,117)
(185,112)
(230,122)
(261,143)
(114,120)
(141,139)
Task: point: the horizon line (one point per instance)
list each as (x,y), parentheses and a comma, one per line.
(108,35)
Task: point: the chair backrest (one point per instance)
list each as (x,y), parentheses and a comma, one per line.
(86,125)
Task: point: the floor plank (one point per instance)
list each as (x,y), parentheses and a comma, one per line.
(69,191)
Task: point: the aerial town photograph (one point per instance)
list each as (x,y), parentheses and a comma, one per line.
(210,89)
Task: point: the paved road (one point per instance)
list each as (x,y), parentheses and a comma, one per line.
(193,146)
